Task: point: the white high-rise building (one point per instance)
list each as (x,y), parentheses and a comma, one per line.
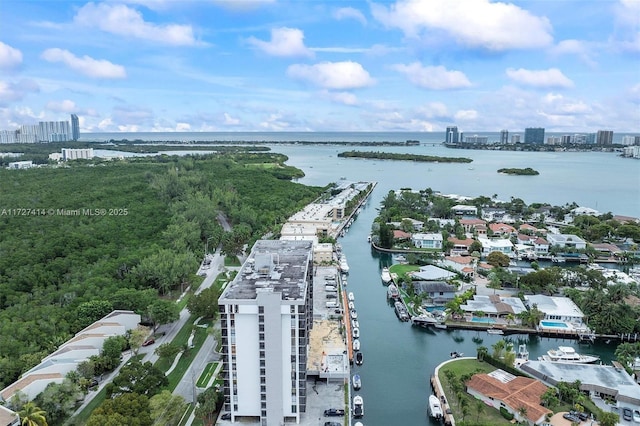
(77,154)
(266,313)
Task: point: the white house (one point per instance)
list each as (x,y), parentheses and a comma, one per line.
(502,245)
(464,210)
(462,264)
(566,241)
(556,308)
(430,241)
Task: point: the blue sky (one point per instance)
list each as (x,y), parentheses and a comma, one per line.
(271,65)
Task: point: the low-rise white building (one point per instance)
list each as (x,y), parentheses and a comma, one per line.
(501,245)
(566,241)
(556,308)
(15,165)
(429,241)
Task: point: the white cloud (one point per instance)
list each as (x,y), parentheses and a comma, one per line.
(434,78)
(627,13)
(183,127)
(466,115)
(345,98)
(472,23)
(578,48)
(274,122)
(63,106)
(230,121)
(125,21)
(10,57)
(284,42)
(332,75)
(556,104)
(552,77)
(96,68)
(242,5)
(11,92)
(433,110)
(350,13)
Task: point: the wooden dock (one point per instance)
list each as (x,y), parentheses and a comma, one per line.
(346,319)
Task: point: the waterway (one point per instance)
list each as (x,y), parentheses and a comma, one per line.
(399,358)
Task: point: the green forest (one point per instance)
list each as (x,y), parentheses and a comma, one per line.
(81,240)
(404,157)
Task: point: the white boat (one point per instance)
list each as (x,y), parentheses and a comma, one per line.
(393,292)
(435,410)
(358,406)
(568,354)
(344,266)
(385,276)
(352,306)
(355,324)
(401,311)
(354,314)
(357,382)
(356,344)
(494,331)
(351,297)
(356,333)
(359,358)
(424,320)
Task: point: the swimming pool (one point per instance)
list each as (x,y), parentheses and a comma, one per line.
(483,320)
(554,324)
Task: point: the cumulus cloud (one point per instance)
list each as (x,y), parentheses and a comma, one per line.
(124,21)
(284,42)
(350,13)
(10,57)
(466,115)
(11,92)
(552,77)
(627,14)
(62,106)
(471,23)
(229,120)
(578,48)
(95,68)
(434,78)
(332,75)
(345,98)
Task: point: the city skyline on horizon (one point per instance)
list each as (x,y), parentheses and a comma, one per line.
(288,66)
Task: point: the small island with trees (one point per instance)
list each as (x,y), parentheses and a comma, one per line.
(404,157)
(519,172)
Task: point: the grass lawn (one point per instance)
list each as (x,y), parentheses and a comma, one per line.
(186,359)
(82,417)
(402,268)
(488,415)
(231,261)
(206,374)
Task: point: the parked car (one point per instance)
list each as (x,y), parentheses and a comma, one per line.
(225,416)
(334,412)
(149,341)
(332,424)
(627,414)
(571,417)
(636,416)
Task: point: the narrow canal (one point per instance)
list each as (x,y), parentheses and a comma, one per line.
(400,358)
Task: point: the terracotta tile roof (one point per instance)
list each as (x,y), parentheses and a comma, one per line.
(401,234)
(463,260)
(528,227)
(472,222)
(458,242)
(519,392)
(501,227)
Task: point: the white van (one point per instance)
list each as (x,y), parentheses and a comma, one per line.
(332,304)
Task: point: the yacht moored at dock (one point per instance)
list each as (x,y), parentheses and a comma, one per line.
(357,382)
(359,358)
(392,292)
(424,320)
(435,410)
(401,311)
(358,407)
(568,354)
(385,276)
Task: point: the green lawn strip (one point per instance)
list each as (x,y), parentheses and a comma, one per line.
(82,417)
(188,410)
(465,366)
(402,268)
(206,374)
(231,261)
(180,340)
(186,359)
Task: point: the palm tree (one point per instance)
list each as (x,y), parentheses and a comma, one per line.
(32,415)
(482,352)
(479,409)
(498,347)
(522,412)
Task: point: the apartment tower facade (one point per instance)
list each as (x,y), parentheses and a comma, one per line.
(266,313)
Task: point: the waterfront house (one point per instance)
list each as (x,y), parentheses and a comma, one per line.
(416,224)
(462,264)
(556,308)
(474,226)
(437,292)
(569,241)
(431,273)
(502,229)
(494,306)
(460,247)
(525,228)
(401,235)
(502,245)
(492,214)
(500,389)
(428,241)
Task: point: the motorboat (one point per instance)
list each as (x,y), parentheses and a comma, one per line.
(456,354)
(568,354)
(357,383)
(385,275)
(355,324)
(401,311)
(352,306)
(356,344)
(358,407)
(344,266)
(393,292)
(435,409)
(351,296)
(354,314)
(424,320)
(359,358)
(495,331)
(356,333)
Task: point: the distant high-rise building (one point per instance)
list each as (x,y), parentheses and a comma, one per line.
(604,137)
(565,139)
(452,135)
(553,140)
(590,138)
(504,137)
(534,135)
(75,127)
(266,314)
(515,138)
(476,139)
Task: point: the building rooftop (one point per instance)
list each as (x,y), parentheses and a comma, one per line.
(273,265)
(7,417)
(432,273)
(494,304)
(551,305)
(605,378)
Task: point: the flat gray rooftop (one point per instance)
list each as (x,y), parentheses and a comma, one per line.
(273,265)
(589,375)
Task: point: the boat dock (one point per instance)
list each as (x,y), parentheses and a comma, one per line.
(346,319)
(436,386)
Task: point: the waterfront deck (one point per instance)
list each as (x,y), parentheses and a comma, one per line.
(347,325)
